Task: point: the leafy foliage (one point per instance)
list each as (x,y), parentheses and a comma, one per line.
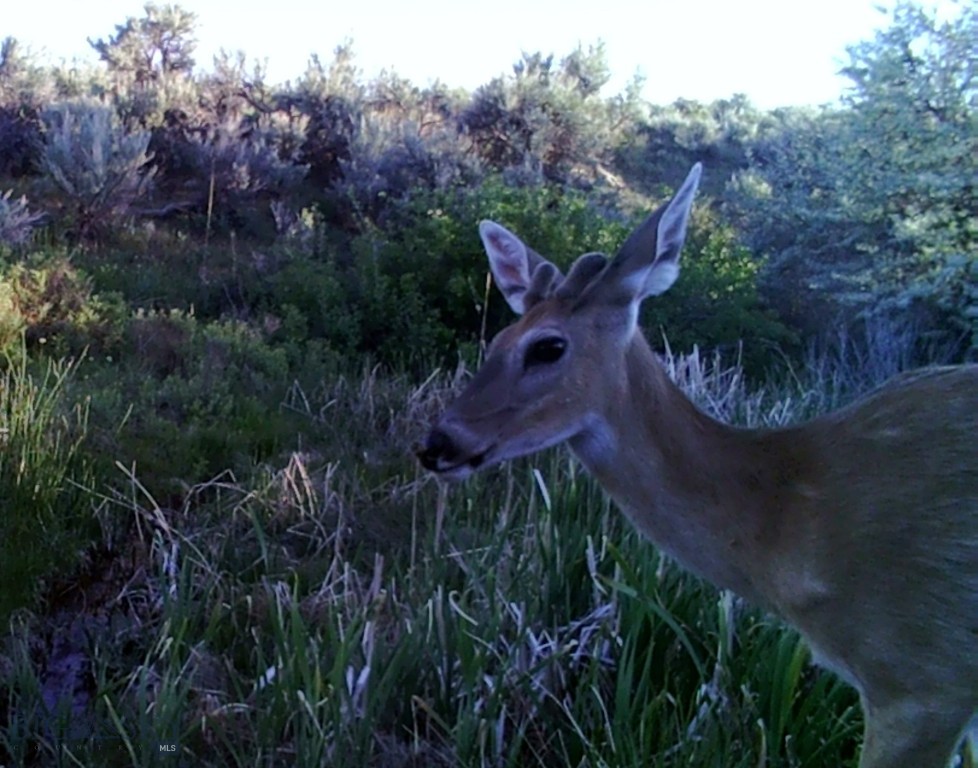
(726,136)
(862,208)
(188,401)
(47,303)
(915,104)
(716,304)
(415,288)
(21,92)
(873,207)
(231,168)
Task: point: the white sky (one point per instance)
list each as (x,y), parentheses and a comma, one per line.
(778,52)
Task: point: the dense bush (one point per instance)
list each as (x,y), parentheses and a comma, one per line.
(187,400)
(413,288)
(20,134)
(548,121)
(51,305)
(716,302)
(431,250)
(99,168)
(725,135)
(232,171)
(863,207)
(872,207)
(22,88)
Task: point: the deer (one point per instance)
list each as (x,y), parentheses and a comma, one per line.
(858,528)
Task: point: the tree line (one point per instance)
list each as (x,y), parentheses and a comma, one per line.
(865,208)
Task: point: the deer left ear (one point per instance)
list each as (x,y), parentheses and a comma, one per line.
(648,262)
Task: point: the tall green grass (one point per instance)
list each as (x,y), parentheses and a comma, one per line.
(347,610)
(45,510)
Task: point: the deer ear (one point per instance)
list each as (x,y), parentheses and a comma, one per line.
(648,262)
(512,263)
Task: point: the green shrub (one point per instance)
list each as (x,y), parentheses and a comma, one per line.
(161,269)
(412,291)
(426,285)
(188,400)
(306,299)
(50,304)
(715,304)
(421,277)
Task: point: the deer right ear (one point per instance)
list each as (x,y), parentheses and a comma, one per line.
(509,261)
(648,262)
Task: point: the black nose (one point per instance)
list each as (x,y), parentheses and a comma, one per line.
(438,448)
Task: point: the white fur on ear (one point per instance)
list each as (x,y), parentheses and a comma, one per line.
(659,278)
(671,232)
(648,262)
(509,262)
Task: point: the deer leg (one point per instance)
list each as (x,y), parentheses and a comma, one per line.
(911,734)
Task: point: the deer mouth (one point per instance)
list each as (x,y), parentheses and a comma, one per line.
(443,457)
(477,460)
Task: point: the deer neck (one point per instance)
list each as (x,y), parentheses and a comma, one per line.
(709,495)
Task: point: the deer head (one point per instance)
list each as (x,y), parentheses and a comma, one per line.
(554,375)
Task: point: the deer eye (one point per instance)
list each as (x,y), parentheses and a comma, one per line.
(544,351)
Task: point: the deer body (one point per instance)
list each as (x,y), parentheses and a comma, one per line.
(859,528)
